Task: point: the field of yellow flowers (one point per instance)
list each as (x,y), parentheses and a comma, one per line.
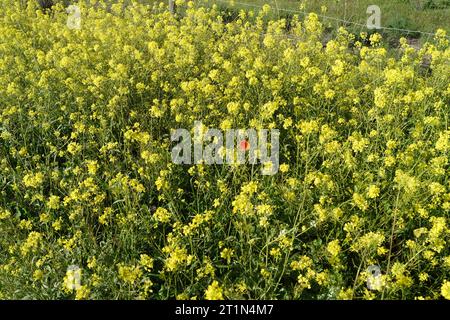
(87,180)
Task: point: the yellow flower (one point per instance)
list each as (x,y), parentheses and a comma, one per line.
(73,148)
(447,262)
(302,263)
(406,182)
(445,290)
(129,274)
(375,38)
(177,257)
(4,214)
(308,127)
(146,262)
(334,248)
(265,273)
(33,180)
(371,240)
(25,225)
(226,254)
(284,167)
(436,188)
(266,9)
(423,276)
(443,143)
(373,191)
(214,291)
(360,202)
(82,293)
(162,215)
(57,224)
(38,275)
(85,151)
(233,107)
(358,143)
(53,202)
(92,167)
(32,243)
(103,219)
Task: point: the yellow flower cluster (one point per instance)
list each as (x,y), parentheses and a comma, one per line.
(87,178)
(214,291)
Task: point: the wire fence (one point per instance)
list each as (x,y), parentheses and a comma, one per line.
(325,17)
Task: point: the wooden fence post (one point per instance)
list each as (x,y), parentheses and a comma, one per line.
(45,4)
(172,6)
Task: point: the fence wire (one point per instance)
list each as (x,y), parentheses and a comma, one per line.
(324,17)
